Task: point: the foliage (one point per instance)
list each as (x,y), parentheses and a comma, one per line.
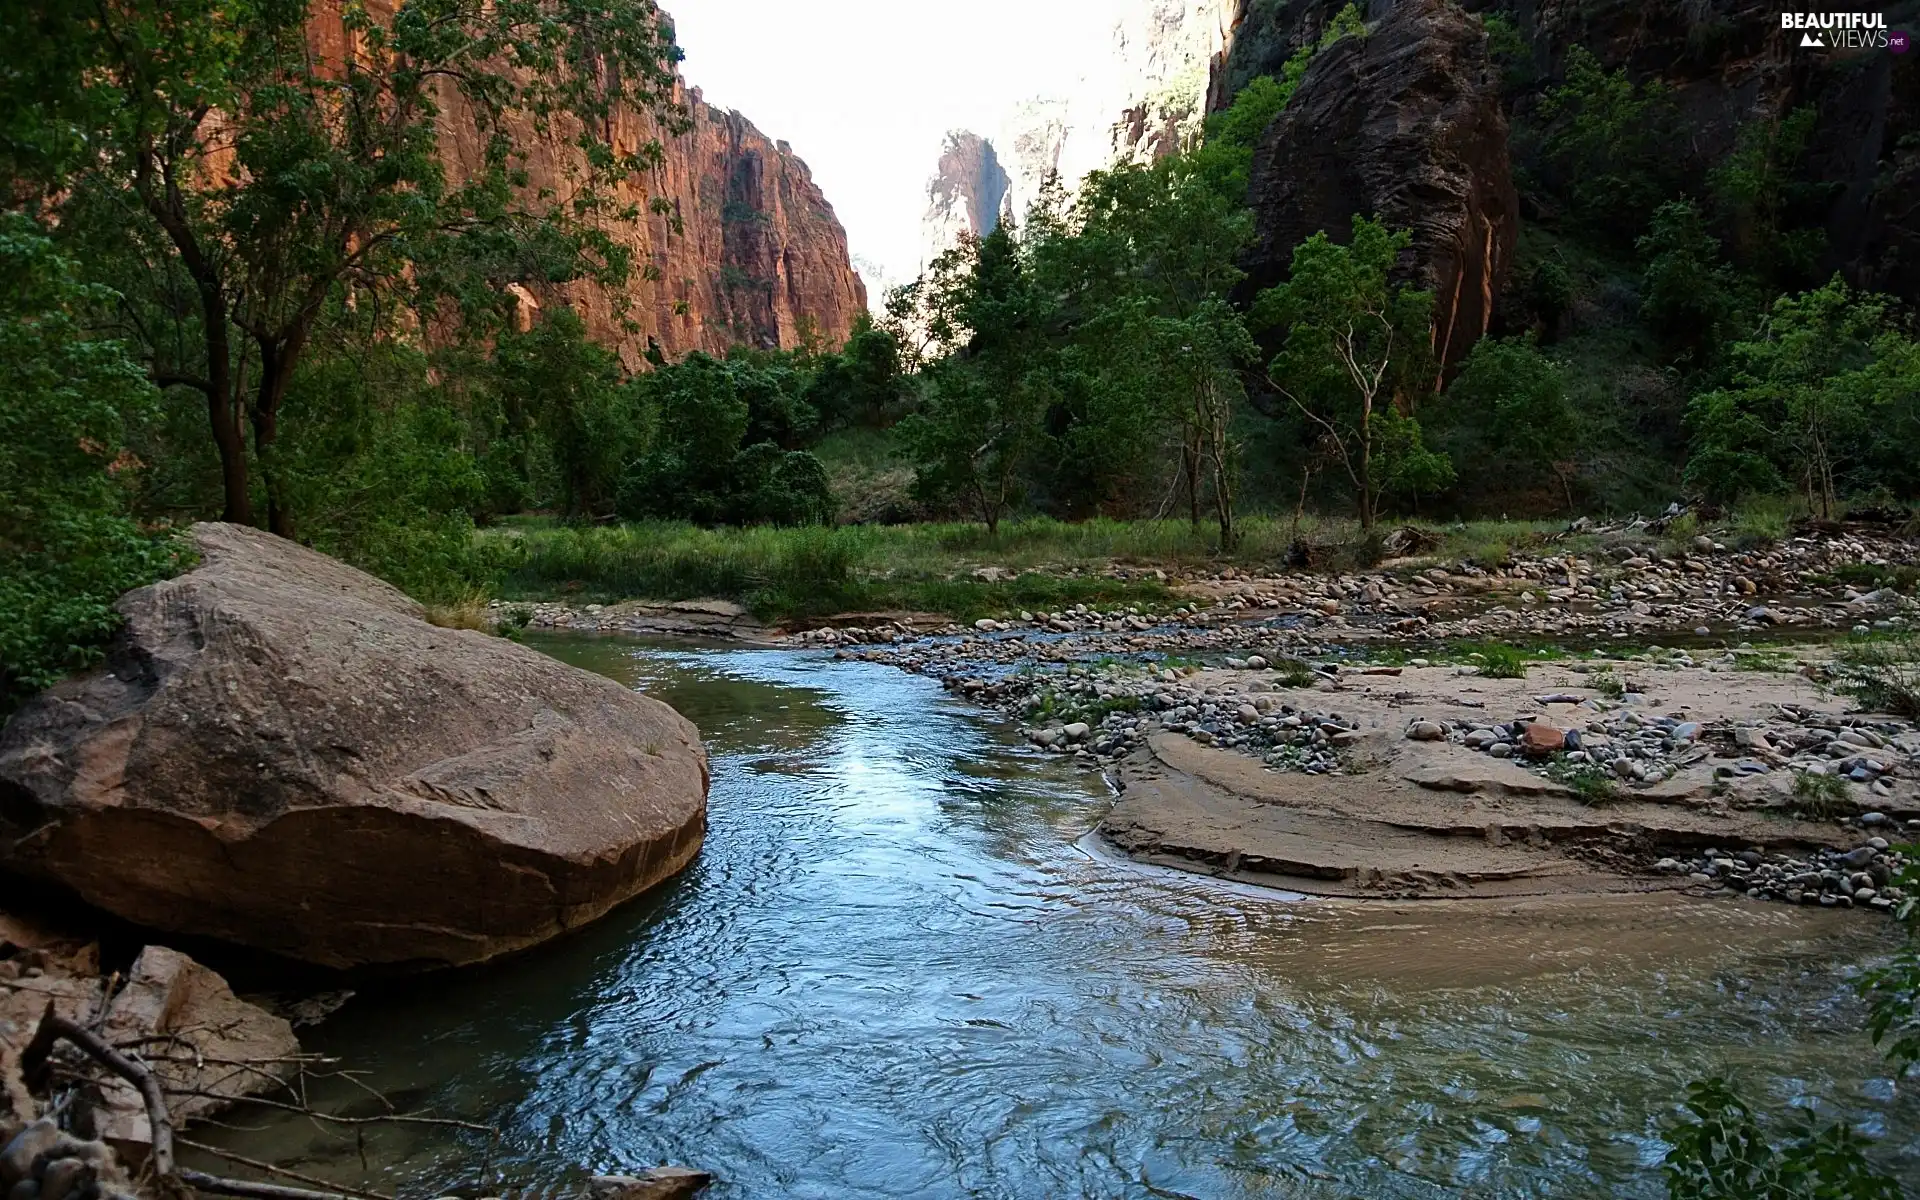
(552,379)
(1510,402)
(1720,1152)
(1819,797)
(1814,396)
(247,189)
(67,547)
(1501,662)
(1882,673)
(1590,783)
(1772,213)
(1688,292)
(1352,354)
(1606,137)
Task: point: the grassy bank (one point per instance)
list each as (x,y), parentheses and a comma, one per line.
(961,570)
(951,568)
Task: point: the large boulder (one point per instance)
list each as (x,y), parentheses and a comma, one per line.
(280,752)
(1404,124)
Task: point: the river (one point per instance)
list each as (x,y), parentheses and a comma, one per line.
(900,968)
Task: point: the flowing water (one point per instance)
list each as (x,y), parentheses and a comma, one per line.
(900,968)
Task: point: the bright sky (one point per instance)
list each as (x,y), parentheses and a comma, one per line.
(864,89)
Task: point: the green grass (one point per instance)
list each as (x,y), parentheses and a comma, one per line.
(1292,673)
(1051,705)
(1819,797)
(1881,672)
(1500,662)
(1591,785)
(1766,660)
(1607,683)
(788,573)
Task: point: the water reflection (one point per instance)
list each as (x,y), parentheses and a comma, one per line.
(894,972)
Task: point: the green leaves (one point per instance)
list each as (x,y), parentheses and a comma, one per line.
(1719,1152)
(1811,397)
(67,547)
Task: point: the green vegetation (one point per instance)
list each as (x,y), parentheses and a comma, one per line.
(67,546)
(1500,662)
(1820,797)
(1592,785)
(1882,673)
(1720,1152)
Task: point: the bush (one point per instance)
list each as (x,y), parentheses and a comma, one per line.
(1719,1152)
(1882,673)
(1501,662)
(67,548)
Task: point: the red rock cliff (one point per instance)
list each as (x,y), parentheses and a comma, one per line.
(759,259)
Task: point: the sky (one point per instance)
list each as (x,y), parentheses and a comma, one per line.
(863,90)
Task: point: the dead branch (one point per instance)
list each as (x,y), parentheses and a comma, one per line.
(36,1060)
(39,1052)
(269,1169)
(383,1119)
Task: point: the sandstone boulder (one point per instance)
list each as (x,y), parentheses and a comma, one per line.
(280,752)
(1404,124)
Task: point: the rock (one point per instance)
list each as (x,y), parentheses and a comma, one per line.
(1406,125)
(1076,731)
(279,752)
(168,995)
(1501,750)
(1426,731)
(1538,740)
(657,1183)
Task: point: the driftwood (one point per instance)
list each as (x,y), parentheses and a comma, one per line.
(36,1060)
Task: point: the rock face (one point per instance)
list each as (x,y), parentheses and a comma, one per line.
(279,752)
(967,194)
(1406,124)
(758,257)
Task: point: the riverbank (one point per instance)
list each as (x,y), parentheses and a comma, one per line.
(1627,718)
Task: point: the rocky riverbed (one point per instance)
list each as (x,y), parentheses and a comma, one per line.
(1667,722)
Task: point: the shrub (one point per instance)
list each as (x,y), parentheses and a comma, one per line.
(1882,673)
(1501,662)
(1819,797)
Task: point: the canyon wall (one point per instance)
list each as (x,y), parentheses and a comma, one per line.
(1142,96)
(750,255)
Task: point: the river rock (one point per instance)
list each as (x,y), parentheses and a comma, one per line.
(1539,740)
(279,752)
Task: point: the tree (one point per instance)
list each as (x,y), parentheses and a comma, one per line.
(1512,399)
(1351,345)
(67,547)
(1688,293)
(1606,140)
(1804,397)
(574,394)
(980,417)
(265,171)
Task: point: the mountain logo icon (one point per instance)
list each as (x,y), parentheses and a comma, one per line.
(1812,39)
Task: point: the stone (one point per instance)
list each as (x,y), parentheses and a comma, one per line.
(1406,125)
(1426,731)
(1076,731)
(1538,740)
(656,1183)
(1501,750)
(279,752)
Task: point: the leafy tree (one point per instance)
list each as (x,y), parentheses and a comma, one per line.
(980,418)
(1772,212)
(1350,344)
(67,547)
(1606,140)
(1804,396)
(574,393)
(1513,399)
(863,383)
(1688,293)
(266,179)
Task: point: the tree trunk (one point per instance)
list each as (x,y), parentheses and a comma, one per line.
(223,404)
(1190,467)
(276,373)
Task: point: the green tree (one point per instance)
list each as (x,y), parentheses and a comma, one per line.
(1513,400)
(67,547)
(1607,140)
(1351,345)
(980,417)
(1804,396)
(574,393)
(1770,209)
(1689,295)
(266,178)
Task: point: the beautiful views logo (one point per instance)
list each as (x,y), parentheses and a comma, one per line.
(1841,31)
